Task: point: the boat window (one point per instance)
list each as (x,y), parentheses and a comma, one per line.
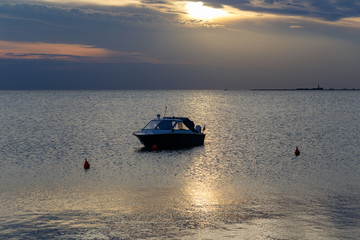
(165,125)
(181,126)
(152,124)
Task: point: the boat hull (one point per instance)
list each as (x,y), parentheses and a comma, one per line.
(171,141)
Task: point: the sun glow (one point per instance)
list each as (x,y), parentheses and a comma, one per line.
(199,11)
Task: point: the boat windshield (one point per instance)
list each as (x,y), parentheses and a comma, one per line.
(160,124)
(152,124)
(166,125)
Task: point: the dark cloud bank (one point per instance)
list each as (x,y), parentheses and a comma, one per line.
(324,9)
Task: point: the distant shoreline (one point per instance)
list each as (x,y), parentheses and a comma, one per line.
(305,89)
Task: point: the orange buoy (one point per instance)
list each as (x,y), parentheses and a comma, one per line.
(154,147)
(297,152)
(86,164)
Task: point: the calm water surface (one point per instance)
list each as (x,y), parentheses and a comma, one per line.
(244,183)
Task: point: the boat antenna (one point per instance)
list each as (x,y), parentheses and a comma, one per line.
(165,111)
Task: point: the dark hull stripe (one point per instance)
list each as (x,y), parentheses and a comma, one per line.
(171,140)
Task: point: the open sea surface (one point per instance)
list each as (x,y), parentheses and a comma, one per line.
(244,183)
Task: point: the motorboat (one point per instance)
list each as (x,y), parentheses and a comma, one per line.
(170,133)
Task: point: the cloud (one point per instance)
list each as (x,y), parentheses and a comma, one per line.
(296,26)
(322,9)
(95,2)
(76,15)
(84,2)
(148,14)
(69,52)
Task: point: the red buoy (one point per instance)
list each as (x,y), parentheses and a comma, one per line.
(154,147)
(297,152)
(86,164)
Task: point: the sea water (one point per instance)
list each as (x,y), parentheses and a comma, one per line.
(244,183)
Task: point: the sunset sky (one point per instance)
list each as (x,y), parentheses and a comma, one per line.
(161,44)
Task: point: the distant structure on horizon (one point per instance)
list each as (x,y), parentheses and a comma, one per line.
(318,88)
